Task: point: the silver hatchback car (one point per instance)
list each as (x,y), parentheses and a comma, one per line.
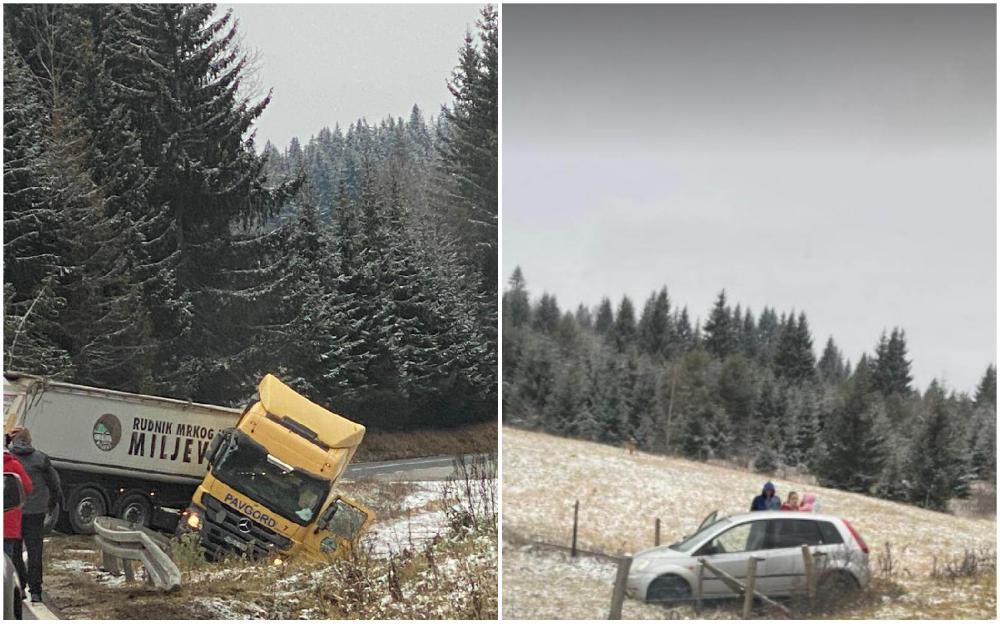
(670,573)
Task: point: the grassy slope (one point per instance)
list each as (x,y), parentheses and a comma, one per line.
(384,445)
(620,497)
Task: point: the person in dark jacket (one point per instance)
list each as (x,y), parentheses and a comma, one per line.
(767,500)
(12,519)
(46,494)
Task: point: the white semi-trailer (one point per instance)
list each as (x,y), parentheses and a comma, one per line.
(133,456)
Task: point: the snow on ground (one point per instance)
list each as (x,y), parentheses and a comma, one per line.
(621,496)
(421,521)
(549,585)
(89,569)
(228,609)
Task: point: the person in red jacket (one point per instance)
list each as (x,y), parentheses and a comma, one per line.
(12,518)
(792,504)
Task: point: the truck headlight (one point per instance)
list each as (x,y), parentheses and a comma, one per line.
(194,520)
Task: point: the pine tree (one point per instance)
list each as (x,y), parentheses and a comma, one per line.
(563,410)
(469,146)
(625,327)
(655,332)
(605,320)
(686,337)
(794,359)
(768,332)
(938,468)
(854,452)
(720,332)
(831,367)
(892,369)
(546,314)
(584,318)
(749,341)
(986,392)
(516,305)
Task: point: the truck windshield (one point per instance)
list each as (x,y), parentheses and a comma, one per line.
(246,466)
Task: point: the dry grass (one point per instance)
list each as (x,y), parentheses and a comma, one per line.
(451,575)
(463,439)
(621,496)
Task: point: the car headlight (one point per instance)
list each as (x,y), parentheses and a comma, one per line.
(640,565)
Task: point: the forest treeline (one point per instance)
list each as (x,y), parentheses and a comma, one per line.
(743,387)
(150,248)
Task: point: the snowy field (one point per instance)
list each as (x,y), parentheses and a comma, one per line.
(621,496)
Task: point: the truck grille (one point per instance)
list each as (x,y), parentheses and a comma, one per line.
(226,536)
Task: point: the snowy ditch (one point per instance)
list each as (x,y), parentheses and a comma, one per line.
(421,521)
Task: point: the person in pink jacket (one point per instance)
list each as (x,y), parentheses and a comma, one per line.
(809,503)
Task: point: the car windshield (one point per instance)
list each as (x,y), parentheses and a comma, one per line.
(246,466)
(688,542)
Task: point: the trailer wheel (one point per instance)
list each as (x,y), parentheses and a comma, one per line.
(52,518)
(135,507)
(85,505)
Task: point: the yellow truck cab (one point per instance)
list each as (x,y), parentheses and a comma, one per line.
(269,490)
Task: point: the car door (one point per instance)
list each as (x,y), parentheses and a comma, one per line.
(730,551)
(783,570)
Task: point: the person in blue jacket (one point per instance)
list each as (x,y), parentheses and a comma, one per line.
(767,500)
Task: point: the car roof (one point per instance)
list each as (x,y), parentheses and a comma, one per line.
(795,515)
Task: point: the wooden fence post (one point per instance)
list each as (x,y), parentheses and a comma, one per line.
(748,590)
(621,581)
(576,516)
(701,588)
(807,560)
(656,538)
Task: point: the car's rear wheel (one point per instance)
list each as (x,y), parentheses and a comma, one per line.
(668,589)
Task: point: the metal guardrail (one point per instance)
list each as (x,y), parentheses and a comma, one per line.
(123,542)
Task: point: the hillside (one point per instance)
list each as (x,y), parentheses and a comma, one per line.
(620,497)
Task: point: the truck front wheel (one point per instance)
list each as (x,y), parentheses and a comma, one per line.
(135,507)
(85,505)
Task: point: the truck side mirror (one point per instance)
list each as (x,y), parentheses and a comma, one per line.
(213,448)
(327,517)
(13,491)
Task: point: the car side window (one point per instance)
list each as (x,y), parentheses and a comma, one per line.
(789,533)
(830,533)
(741,538)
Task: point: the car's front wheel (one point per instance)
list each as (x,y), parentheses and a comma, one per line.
(668,589)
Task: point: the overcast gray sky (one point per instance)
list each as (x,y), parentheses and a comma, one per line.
(839,160)
(336,63)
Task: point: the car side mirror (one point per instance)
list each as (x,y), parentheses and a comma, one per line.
(13,491)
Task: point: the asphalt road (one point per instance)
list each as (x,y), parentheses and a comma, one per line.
(439,468)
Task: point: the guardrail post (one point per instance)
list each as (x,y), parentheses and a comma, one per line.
(576,517)
(621,581)
(656,537)
(110,564)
